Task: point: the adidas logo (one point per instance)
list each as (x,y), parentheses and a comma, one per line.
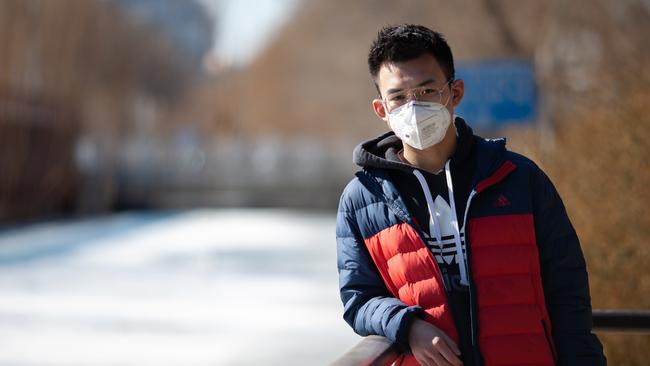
(501,201)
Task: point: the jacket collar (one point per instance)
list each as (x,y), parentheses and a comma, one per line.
(491,168)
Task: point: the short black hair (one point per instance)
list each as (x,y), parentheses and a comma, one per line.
(404,42)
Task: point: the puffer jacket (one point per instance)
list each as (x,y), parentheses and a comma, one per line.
(529,290)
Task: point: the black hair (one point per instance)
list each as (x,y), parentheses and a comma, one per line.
(404,42)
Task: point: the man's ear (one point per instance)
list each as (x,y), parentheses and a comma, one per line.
(379,108)
(457,91)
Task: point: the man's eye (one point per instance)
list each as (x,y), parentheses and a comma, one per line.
(428,91)
(396,98)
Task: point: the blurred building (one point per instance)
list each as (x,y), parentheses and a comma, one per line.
(186,24)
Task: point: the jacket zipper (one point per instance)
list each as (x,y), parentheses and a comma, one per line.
(472,320)
(472,315)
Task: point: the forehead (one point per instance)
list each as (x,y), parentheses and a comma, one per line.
(407,74)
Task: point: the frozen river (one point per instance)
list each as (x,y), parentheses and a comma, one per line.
(204,287)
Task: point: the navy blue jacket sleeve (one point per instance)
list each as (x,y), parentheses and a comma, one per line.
(564,277)
(368,306)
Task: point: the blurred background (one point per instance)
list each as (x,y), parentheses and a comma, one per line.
(170,169)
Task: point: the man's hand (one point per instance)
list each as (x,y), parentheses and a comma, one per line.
(431,346)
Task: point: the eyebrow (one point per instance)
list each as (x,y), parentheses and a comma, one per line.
(395,90)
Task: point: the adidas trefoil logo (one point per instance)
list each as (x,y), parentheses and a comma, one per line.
(501,201)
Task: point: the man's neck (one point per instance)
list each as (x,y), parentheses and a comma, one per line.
(432,159)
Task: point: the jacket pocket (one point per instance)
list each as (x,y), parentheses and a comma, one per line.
(549,341)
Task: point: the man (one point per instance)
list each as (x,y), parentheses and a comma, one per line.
(451,246)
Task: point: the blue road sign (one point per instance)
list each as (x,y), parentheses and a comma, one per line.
(498,92)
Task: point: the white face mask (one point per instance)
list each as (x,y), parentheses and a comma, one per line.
(420,124)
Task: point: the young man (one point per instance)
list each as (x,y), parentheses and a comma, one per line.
(453,247)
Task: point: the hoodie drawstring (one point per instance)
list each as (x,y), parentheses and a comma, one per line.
(434,222)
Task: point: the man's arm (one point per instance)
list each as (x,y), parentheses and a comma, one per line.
(368,305)
(564,276)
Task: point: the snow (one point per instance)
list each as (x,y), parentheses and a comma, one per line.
(204,287)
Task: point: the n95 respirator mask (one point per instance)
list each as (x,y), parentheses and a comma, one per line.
(420,124)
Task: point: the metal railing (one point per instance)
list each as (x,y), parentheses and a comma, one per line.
(622,320)
(379,351)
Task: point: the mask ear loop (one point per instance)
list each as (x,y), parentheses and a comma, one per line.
(385,106)
(451,90)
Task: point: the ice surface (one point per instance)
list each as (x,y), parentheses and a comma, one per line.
(205,287)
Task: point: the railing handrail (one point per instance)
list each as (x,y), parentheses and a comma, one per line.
(370,351)
(379,351)
(621,320)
